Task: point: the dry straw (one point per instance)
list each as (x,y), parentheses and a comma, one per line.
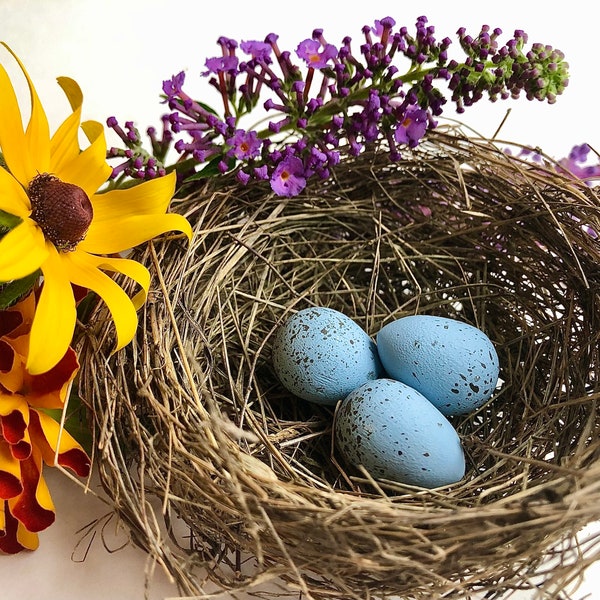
(230,483)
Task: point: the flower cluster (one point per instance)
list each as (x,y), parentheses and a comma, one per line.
(29,435)
(577,164)
(335,100)
(61,238)
(507,71)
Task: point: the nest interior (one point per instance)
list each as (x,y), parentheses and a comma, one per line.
(192,427)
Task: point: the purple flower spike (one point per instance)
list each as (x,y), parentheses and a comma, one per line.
(327,102)
(288,179)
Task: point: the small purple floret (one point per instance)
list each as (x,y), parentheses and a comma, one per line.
(288,179)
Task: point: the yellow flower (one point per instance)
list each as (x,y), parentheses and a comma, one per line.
(66,227)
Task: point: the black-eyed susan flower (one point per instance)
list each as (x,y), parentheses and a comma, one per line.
(29,436)
(67,228)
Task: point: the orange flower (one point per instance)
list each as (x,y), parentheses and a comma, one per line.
(29,436)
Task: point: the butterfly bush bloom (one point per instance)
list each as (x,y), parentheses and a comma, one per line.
(383,92)
(577,164)
(29,437)
(316,56)
(244,144)
(67,229)
(413,127)
(288,178)
(256,49)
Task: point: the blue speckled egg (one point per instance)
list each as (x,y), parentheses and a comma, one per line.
(453,364)
(396,433)
(321,355)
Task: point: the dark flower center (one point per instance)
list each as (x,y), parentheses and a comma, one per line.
(62,210)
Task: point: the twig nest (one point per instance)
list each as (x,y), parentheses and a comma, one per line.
(194,428)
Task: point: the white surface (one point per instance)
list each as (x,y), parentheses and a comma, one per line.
(121,50)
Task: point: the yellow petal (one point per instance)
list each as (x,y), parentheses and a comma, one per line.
(12,379)
(33,507)
(55,316)
(13,198)
(26,538)
(89,169)
(93,130)
(10,473)
(12,135)
(147,198)
(37,136)
(22,251)
(116,235)
(72,91)
(64,145)
(12,402)
(130,268)
(83,271)
(58,446)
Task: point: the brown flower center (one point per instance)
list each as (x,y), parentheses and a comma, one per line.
(62,210)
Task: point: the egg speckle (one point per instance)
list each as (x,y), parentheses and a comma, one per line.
(395,433)
(453,364)
(321,355)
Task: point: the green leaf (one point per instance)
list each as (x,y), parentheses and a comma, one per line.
(208,108)
(211,169)
(12,292)
(205,106)
(8,221)
(75,421)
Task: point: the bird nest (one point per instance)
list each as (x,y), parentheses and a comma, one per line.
(229,482)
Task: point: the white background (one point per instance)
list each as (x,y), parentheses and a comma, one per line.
(121,50)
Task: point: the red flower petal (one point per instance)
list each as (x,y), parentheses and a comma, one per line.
(7,355)
(9,321)
(10,486)
(33,507)
(10,473)
(14,419)
(8,541)
(13,533)
(21,450)
(13,426)
(49,389)
(76,460)
(47,435)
